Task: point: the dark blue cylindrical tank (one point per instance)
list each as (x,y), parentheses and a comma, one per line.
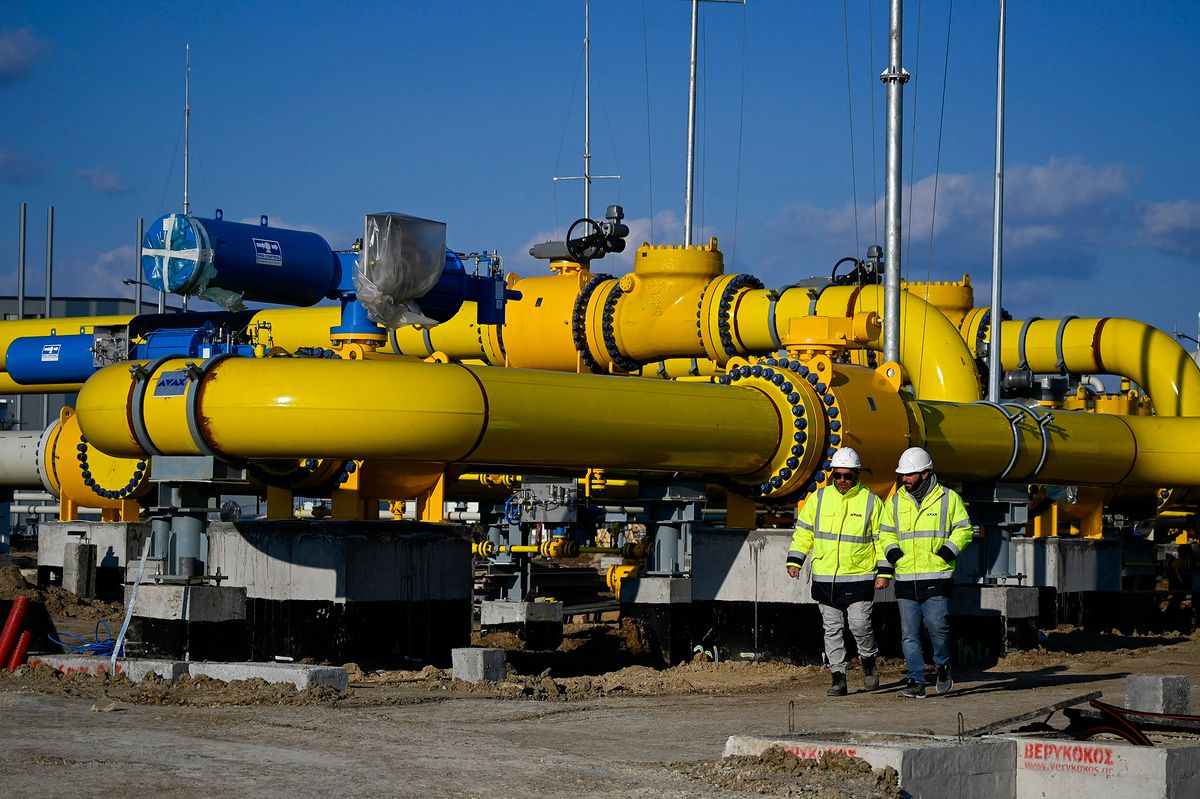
(191,255)
(43,360)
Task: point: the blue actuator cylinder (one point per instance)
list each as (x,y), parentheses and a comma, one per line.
(42,360)
(192,255)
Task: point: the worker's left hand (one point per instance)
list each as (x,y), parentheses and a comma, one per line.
(881,583)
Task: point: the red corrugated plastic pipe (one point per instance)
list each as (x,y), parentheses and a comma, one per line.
(21,650)
(12,628)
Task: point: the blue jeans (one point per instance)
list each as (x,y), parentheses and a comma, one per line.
(936,613)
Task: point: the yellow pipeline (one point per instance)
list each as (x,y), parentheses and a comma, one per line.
(1125,347)
(932,352)
(412,411)
(1012,442)
(290,408)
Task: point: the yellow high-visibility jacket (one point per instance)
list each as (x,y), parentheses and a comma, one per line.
(920,531)
(842,534)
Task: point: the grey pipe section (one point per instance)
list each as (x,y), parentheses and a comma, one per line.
(19,459)
(137,269)
(49,294)
(188,532)
(994,367)
(20,408)
(894,78)
(688,199)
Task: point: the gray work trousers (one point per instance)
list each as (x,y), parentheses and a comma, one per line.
(859,615)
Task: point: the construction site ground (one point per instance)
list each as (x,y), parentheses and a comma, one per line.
(591,718)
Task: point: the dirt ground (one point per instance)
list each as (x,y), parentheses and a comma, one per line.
(591,718)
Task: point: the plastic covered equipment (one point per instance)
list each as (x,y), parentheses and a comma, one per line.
(402,259)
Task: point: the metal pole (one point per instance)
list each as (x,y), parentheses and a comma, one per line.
(137,270)
(20,420)
(587,112)
(994,364)
(691,136)
(49,295)
(894,77)
(187,117)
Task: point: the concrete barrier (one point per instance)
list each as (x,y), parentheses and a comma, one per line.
(300,675)
(135,669)
(1065,769)
(929,767)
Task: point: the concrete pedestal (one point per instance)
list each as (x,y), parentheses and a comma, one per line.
(79,569)
(538,624)
(188,622)
(664,606)
(386,593)
(118,547)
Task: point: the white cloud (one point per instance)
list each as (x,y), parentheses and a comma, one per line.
(21,170)
(103,180)
(1058,218)
(1172,227)
(20,50)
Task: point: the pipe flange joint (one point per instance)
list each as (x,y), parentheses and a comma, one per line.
(579,323)
(609,332)
(801,446)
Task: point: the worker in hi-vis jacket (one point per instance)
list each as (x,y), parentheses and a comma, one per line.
(838,530)
(924,529)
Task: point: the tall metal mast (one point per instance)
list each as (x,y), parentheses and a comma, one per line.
(994,364)
(691,135)
(587,177)
(894,77)
(187,117)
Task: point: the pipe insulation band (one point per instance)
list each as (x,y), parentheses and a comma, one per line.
(195,379)
(1061,362)
(142,376)
(1022,361)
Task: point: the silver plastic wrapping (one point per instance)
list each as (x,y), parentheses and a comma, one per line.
(402,259)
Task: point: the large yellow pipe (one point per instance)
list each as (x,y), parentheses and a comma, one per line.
(1124,347)
(407,410)
(937,361)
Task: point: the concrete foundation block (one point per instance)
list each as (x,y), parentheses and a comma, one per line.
(199,603)
(929,767)
(1066,769)
(1011,602)
(478,664)
(79,569)
(1158,693)
(495,613)
(135,669)
(299,675)
(657,590)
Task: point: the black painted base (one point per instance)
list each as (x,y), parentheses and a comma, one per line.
(379,634)
(397,634)
(173,639)
(792,632)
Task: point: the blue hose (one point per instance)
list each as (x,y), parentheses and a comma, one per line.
(101,647)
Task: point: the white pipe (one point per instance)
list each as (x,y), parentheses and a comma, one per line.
(19,459)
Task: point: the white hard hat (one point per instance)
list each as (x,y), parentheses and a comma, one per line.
(845,458)
(913,460)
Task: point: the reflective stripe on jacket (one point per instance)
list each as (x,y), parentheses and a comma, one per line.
(842,534)
(920,531)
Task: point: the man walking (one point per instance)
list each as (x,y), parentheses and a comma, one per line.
(839,526)
(923,530)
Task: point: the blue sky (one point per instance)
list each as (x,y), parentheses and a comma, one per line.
(464,111)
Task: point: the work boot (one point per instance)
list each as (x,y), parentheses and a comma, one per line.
(870,674)
(944,684)
(912,690)
(839,684)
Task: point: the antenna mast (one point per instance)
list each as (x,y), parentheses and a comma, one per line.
(587,177)
(187,117)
